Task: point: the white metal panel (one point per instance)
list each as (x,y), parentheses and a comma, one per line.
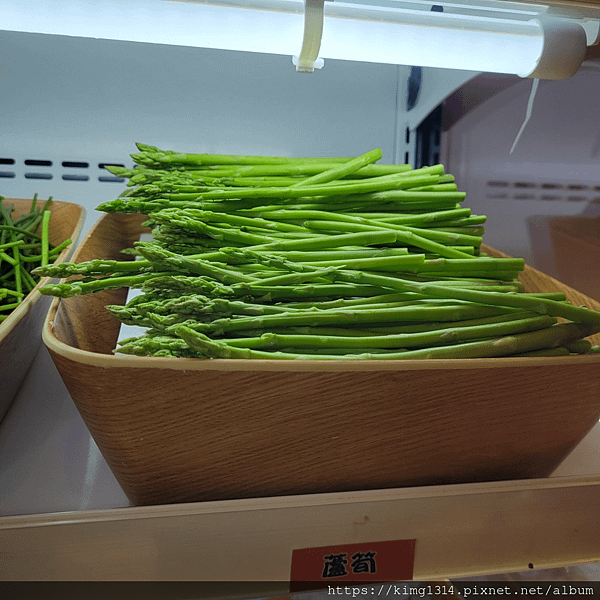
(85,100)
(66,98)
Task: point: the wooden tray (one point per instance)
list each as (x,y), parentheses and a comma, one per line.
(177,430)
(20,333)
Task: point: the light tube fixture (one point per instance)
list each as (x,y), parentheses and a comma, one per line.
(529,40)
(544,47)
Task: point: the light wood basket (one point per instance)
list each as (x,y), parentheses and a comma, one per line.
(20,333)
(177,430)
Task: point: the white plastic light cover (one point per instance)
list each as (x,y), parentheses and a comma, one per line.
(563,50)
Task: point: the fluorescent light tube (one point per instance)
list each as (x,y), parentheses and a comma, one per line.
(546,48)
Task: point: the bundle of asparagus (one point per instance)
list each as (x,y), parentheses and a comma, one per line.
(317,258)
(24,245)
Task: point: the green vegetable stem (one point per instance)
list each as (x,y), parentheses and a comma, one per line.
(24,246)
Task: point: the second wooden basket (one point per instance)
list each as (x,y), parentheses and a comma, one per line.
(20,332)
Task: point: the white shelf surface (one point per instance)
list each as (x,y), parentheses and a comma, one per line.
(48,460)
(63,515)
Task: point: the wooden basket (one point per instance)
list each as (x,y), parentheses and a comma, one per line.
(176,430)
(20,333)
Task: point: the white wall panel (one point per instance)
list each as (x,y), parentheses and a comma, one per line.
(554,169)
(66,98)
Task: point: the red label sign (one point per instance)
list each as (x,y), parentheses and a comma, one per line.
(316,568)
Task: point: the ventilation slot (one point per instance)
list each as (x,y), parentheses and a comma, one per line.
(38,175)
(38,163)
(524,185)
(70,177)
(77,165)
(524,197)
